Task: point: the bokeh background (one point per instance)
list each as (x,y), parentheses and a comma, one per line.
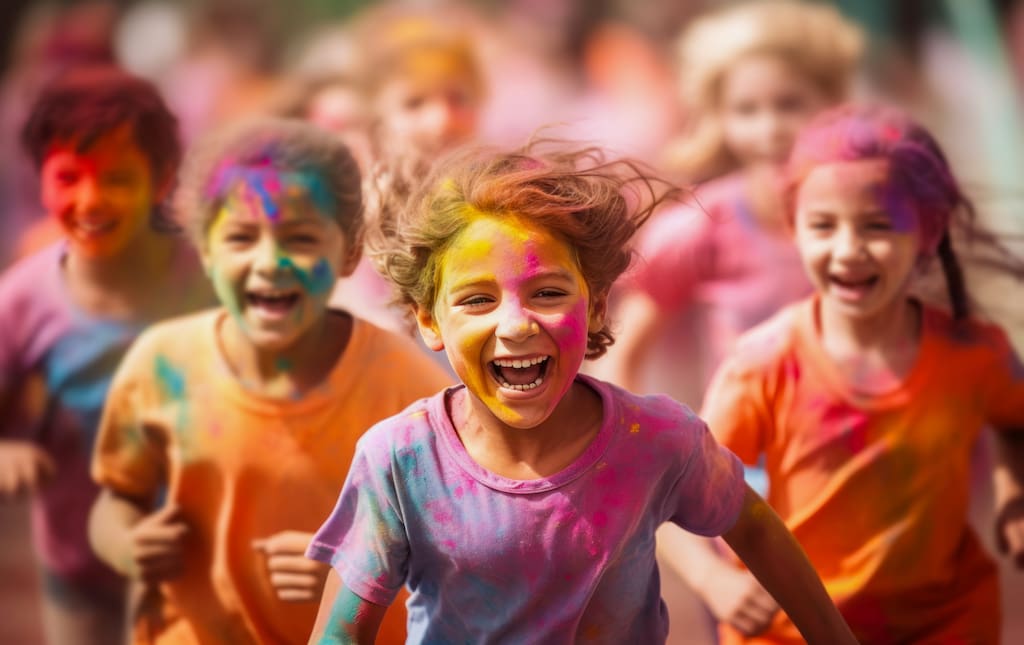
(600,70)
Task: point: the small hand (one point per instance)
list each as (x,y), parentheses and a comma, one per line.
(156,546)
(737,598)
(294,577)
(24,468)
(1010,530)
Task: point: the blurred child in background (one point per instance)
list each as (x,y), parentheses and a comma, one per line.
(248,414)
(107,151)
(867,402)
(752,74)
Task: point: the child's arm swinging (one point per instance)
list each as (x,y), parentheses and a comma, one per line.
(139,544)
(773,555)
(1008,479)
(344,617)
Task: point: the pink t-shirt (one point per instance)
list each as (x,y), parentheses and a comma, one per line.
(713,253)
(56,362)
(566,558)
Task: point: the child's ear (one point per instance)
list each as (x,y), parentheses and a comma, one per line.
(598,310)
(350,259)
(428,329)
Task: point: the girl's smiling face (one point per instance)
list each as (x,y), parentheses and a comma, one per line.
(512,311)
(858,235)
(274,254)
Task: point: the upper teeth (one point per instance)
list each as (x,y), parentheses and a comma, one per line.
(517,363)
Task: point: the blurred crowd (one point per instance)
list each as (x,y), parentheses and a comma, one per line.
(659,81)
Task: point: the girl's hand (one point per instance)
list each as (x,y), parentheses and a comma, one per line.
(737,598)
(156,546)
(24,467)
(1010,530)
(294,577)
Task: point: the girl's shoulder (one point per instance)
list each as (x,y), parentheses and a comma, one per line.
(772,341)
(973,334)
(26,278)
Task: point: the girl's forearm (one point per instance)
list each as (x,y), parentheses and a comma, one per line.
(775,558)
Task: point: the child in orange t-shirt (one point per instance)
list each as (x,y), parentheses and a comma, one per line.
(247,415)
(866,402)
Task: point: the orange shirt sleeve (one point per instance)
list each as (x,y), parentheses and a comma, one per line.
(128,457)
(736,408)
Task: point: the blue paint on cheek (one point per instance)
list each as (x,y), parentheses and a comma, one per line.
(318,281)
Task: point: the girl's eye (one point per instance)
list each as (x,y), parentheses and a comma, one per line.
(879,225)
(820,225)
(303,239)
(476,301)
(551,293)
(119,179)
(238,237)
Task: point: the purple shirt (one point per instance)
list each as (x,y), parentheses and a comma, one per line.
(561,559)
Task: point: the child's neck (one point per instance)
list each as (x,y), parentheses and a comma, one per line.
(875,353)
(528,453)
(291,372)
(126,285)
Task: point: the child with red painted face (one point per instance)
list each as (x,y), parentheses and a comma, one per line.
(248,413)
(107,150)
(867,402)
(521,505)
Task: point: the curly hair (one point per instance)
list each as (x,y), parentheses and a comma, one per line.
(214,166)
(814,38)
(594,204)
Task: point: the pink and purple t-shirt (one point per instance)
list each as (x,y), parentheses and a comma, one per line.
(567,558)
(56,363)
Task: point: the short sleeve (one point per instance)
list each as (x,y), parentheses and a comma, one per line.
(710,491)
(364,537)
(130,454)
(1004,389)
(736,410)
(673,257)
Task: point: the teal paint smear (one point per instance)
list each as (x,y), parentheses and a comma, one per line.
(318,281)
(171,380)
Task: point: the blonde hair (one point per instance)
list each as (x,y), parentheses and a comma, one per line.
(814,38)
(594,205)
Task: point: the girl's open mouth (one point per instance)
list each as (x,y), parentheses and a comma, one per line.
(272,303)
(519,374)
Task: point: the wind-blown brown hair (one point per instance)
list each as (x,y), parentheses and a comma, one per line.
(593,204)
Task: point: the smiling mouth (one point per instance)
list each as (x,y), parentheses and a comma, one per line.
(272,302)
(863,283)
(93,229)
(519,374)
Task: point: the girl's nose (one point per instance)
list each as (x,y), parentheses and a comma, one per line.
(267,258)
(516,324)
(87,195)
(849,244)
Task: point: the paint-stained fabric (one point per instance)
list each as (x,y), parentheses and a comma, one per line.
(875,487)
(243,467)
(563,559)
(713,252)
(56,362)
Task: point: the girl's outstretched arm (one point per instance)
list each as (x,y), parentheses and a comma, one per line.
(1009,493)
(773,555)
(344,617)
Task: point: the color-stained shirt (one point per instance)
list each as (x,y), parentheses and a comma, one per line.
(562,559)
(713,254)
(243,467)
(56,362)
(875,487)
